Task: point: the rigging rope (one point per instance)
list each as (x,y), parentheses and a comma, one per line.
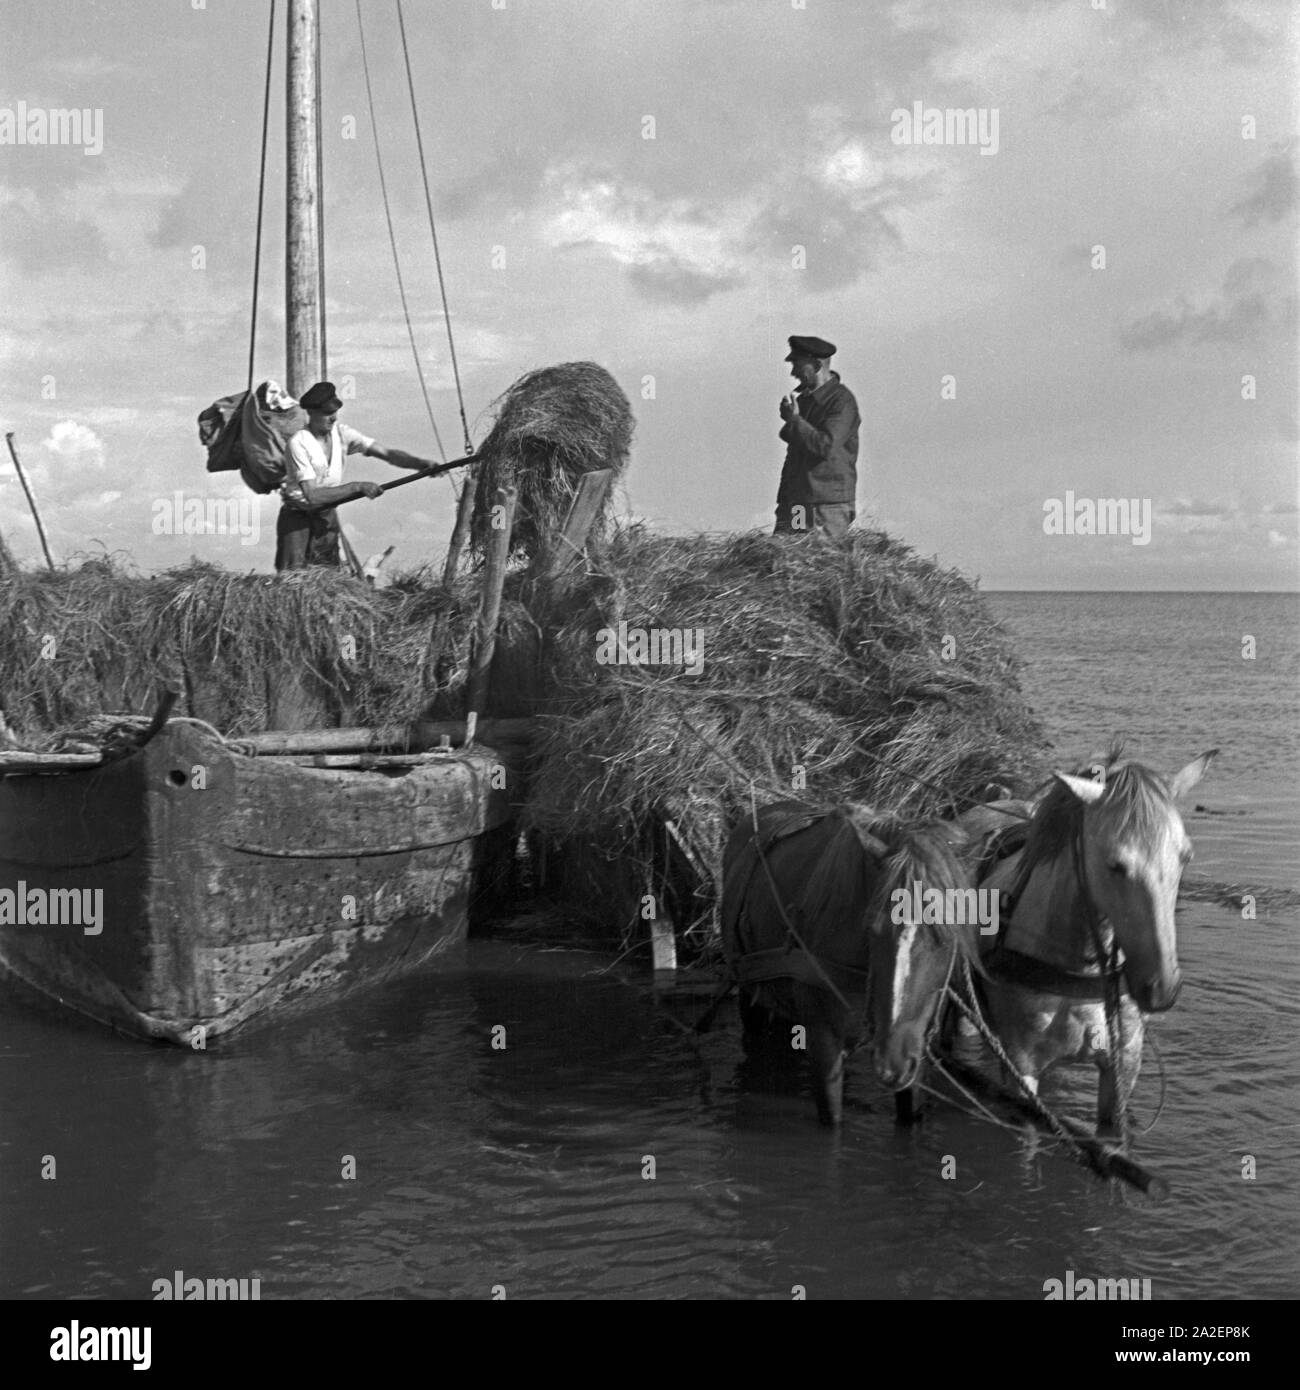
(261,196)
(392,237)
(433,231)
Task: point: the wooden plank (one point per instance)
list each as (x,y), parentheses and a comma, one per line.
(568,547)
(14,761)
(423,735)
(367,762)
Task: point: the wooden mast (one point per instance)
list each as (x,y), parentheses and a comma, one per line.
(304,264)
(302,277)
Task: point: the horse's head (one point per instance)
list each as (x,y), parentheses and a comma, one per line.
(1133,848)
(915,947)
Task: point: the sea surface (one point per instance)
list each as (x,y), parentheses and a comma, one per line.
(603,1153)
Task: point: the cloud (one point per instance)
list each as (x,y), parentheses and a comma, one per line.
(1093,98)
(51,236)
(1183,507)
(674,250)
(1236,314)
(842,231)
(74,443)
(1192,24)
(670,280)
(1197,521)
(1273,190)
(837,206)
(110,415)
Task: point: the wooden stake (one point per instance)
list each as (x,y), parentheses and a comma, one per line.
(460,532)
(31,501)
(494,578)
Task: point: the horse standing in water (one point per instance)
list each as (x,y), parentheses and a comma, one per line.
(812,938)
(1089,946)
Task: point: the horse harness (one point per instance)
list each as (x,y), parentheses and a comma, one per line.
(793,960)
(1005,964)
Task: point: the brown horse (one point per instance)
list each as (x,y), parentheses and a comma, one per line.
(814,936)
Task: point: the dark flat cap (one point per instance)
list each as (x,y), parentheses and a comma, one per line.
(810,347)
(322,396)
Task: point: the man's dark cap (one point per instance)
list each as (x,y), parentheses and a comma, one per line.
(322,396)
(809,347)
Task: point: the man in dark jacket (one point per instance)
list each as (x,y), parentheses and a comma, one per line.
(820,479)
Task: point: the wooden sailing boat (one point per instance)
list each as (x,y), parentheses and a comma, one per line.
(189,888)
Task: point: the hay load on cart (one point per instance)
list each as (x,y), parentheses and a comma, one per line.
(748,668)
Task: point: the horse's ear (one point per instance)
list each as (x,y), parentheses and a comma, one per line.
(1186,778)
(1087,791)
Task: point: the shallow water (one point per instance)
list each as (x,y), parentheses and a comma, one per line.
(526,1167)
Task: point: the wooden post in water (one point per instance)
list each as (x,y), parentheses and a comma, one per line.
(489,613)
(31,500)
(302,271)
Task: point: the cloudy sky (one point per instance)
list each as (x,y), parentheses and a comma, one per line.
(670,188)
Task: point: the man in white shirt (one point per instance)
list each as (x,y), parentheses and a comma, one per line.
(307,530)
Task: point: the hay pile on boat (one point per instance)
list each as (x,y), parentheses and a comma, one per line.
(246,652)
(552,426)
(860,672)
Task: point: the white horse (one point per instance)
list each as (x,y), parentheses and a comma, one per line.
(1089,946)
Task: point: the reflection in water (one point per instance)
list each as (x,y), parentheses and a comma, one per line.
(529,1165)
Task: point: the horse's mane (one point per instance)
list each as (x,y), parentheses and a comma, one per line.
(850,879)
(839,884)
(1136,803)
(925,854)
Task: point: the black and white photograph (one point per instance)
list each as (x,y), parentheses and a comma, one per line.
(650,650)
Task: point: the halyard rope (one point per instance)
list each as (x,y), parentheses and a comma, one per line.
(392,236)
(433,232)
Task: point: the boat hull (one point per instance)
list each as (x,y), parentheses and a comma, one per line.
(188,891)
